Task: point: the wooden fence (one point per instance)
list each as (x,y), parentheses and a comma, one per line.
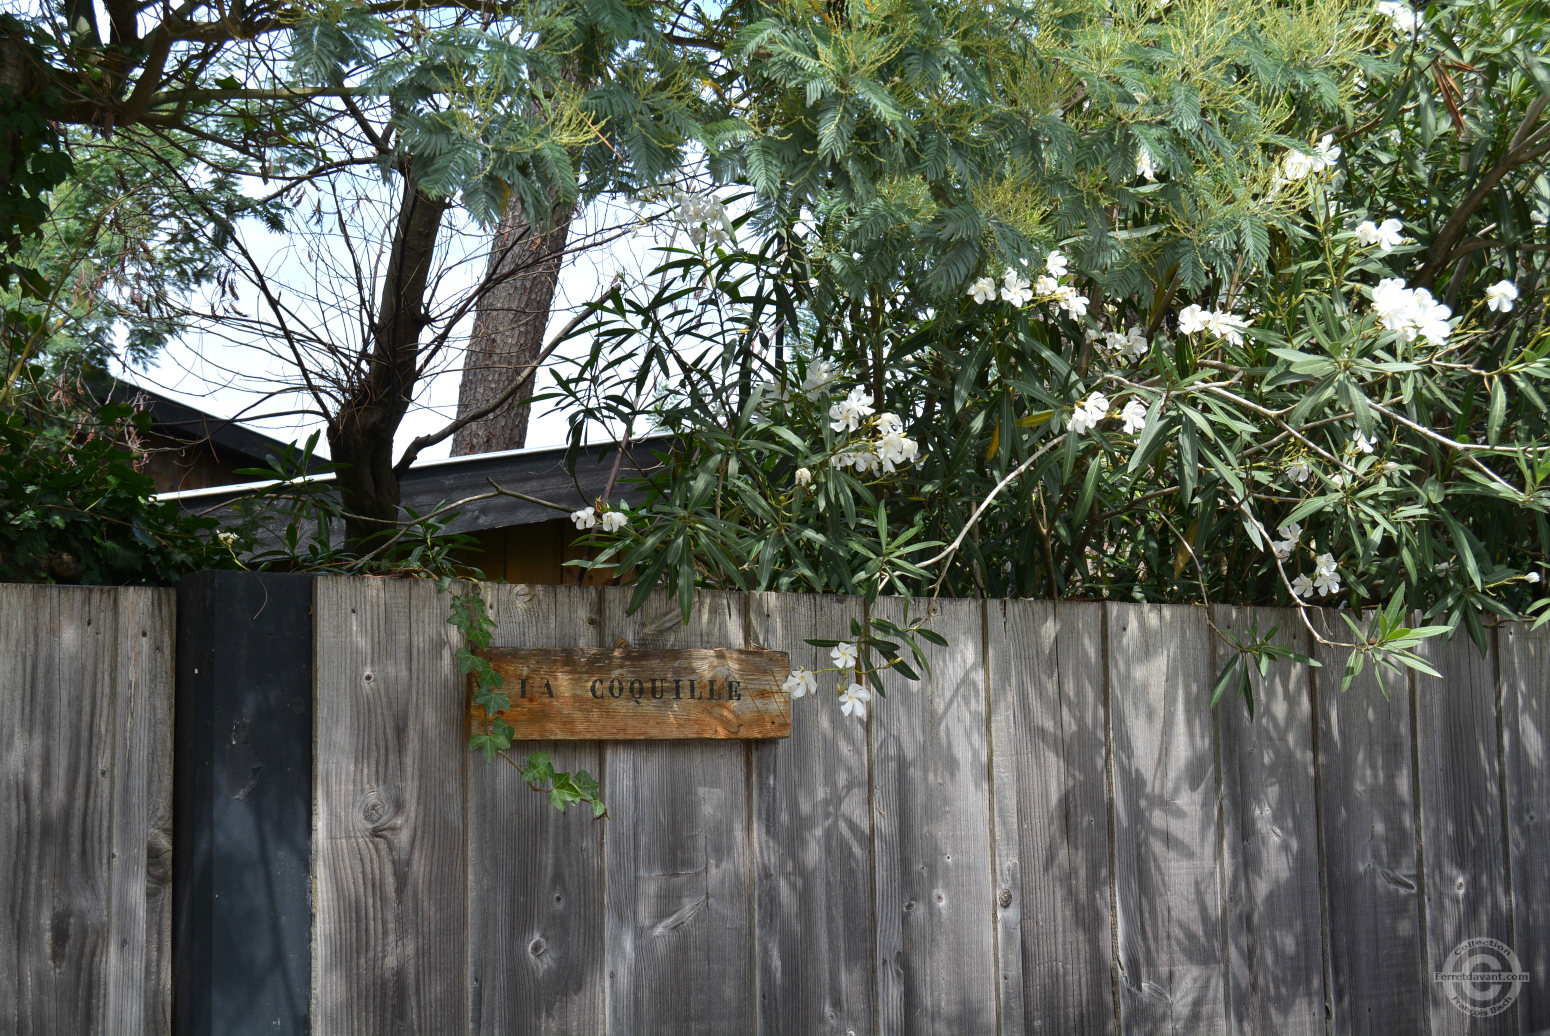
(1051,834)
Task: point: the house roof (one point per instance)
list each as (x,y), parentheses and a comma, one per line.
(181,421)
(539,474)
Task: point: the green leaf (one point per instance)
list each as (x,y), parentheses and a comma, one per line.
(1225,679)
(1498,411)
(1353,669)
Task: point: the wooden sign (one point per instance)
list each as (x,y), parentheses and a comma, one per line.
(625,694)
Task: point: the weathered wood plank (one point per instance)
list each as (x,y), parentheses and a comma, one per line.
(1275,932)
(1167,875)
(1050,751)
(1525,696)
(18,773)
(57,806)
(630,694)
(1463,840)
(1371,871)
(84,796)
(813,840)
(535,875)
(140,928)
(931,800)
(389,846)
(679,915)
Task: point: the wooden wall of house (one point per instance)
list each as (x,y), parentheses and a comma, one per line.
(178,464)
(535,554)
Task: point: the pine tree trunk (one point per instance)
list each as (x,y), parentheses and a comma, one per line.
(509,326)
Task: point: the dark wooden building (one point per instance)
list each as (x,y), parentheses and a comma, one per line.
(186,448)
(518,504)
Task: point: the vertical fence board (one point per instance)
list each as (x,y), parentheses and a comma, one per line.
(813,839)
(243,811)
(676,850)
(20,772)
(389,845)
(535,883)
(931,797)
(1275,929)
(1371,867)
(1049,747)
(1525,697)
(1166,823)
(1462,837)
(59,799)
(85,703)
(140,945)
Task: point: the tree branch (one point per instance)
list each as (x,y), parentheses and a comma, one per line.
(1528,146)
(420,444)
(283,93)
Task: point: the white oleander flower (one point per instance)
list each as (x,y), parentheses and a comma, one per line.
(983,290)
(1297,471)
(848,413)
(1405,21)
(1411,311)
(1326,152)
(1133,417)
(864,461)
(1362,442)
(1016,289)
(1297,165)
(819,374)
(1434,323)
(803,477)
(1192,319)
(585,518)
(801,682)
(1290,534)
(1145,167)
(1532,577)
(1302,586)
(895,448)
(1226,325)
(853,699)
(613,521)
(1386,235)
(705,218)
(1089,412)
(844,654)
(1499,297)
(1069,300)
(1057,264)
(1327,583)
(1136,346)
